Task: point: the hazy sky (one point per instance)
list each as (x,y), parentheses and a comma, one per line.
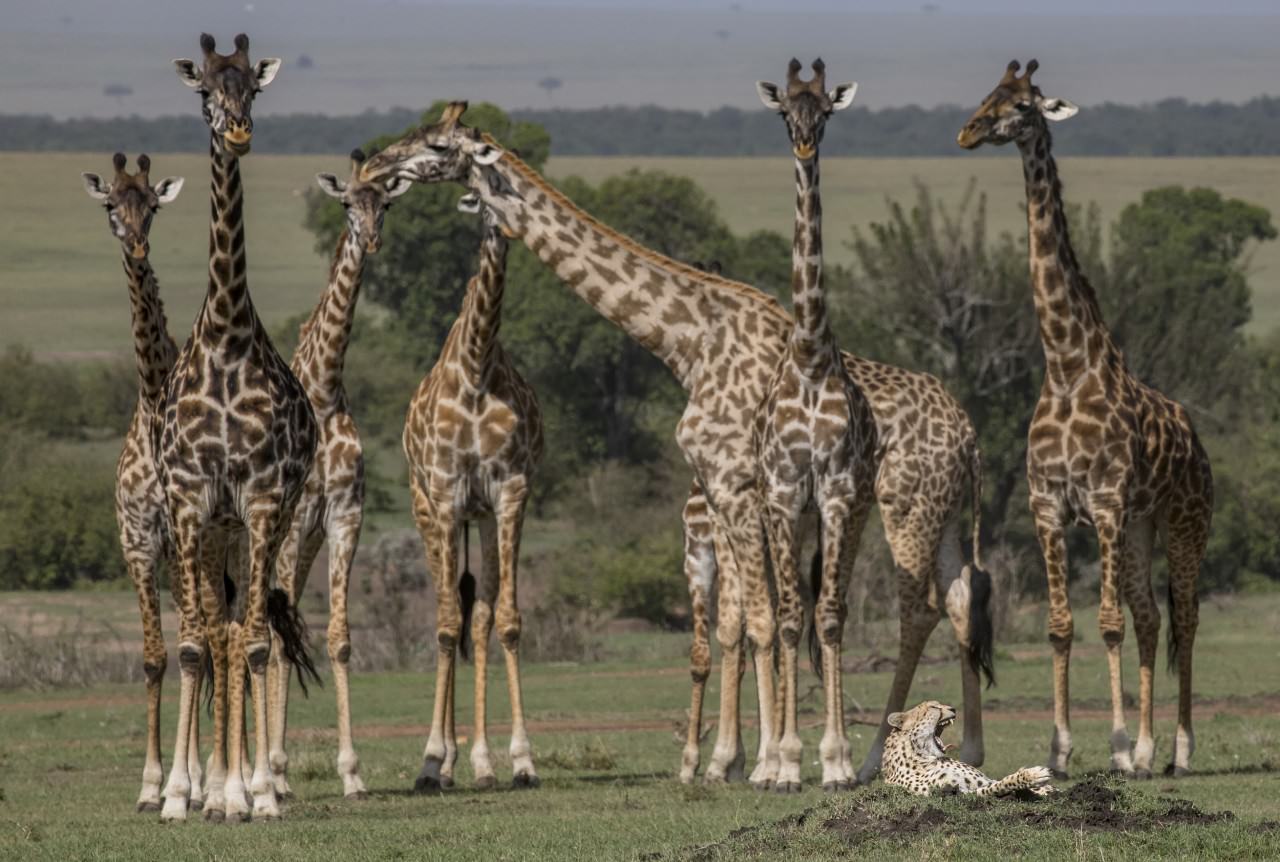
(56,56)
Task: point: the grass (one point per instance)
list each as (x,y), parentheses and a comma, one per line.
(63,292)
(71,761)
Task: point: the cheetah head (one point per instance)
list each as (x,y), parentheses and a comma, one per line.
(923,727)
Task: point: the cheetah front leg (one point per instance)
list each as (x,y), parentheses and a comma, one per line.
(1033,778)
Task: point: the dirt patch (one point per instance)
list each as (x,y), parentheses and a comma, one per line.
(862,825)
(1092,806)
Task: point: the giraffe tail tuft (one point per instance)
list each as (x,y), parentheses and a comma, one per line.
(815,589)
(981,631)
(1171,644)
(291,628)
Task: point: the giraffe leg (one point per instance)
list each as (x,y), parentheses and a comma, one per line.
(439,532)
(142,570)
(191,647)
(749,549)
(783,515)
(1053,547)
(700,574)
(728,758)
(481,626)
(918,616)
(344,536)
(196,773)
(1110,526)
(954,590)
(844,515)
(450,727)
(267,530)
(1136,584)
(293,565)
(510,517)
(1187,535)
(235,804)
(214,602)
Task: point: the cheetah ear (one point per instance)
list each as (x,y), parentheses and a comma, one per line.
(895,719)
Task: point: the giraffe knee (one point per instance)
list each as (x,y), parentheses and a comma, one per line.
(700,661)
(340,651)
(153,668)
(191,657)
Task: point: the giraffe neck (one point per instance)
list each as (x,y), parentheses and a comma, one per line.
(227,318)
(482,309)
(1072,332)
(153,348)
(666,306)
(322,349)
(812,345)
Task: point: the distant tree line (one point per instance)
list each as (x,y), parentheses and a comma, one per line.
(1173,127)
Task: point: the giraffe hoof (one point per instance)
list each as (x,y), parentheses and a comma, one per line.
(787,787)
(837,786)
(1124,773)
(148,807)
(428,784)
(762,786)
(486,782)
(195,804)
(238,817)
(1058,774)
(287,796)
(715,780)
(525,781)
(358,796)
(1176,771)
(1142,774)
(214,815)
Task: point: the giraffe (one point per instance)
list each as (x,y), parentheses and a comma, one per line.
(1103,449)
(926,454)
(473,437)
(234,444)
(131,202)
(814,439)
(722,340)
(332,504)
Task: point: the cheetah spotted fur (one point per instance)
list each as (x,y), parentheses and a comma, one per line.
(915,759)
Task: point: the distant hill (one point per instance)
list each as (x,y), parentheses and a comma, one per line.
(1172,127)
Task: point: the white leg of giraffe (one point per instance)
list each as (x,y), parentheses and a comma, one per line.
(1053,547)
(728,758)
(481,627)
(783,516)
(142,569)
(192,642)
(1110,526)
(510,517)
(1136,587)
(758,604)
(954,589)
(700,576)
(1186,537)
(344,536)
(438,527)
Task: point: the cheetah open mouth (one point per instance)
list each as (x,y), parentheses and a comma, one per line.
(943,724)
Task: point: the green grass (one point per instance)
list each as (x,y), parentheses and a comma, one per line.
(63,292)
(71,762)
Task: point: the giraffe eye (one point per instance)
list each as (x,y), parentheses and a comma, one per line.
(1022,105)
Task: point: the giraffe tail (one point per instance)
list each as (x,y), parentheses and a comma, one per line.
(1171,644)
(466,593)
(206,678)
(981,629)
(291,628)
(815,589)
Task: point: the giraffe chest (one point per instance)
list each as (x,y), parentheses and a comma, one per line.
(809,430)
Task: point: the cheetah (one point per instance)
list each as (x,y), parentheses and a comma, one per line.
(915,758)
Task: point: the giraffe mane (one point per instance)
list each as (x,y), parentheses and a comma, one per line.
(656,258)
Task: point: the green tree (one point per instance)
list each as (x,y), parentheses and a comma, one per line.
(1177,299)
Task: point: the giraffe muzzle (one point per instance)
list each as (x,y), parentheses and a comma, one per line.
(804,152)
(969,137)
(373,244)
(139,250)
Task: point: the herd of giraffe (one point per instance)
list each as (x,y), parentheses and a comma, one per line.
(239,467)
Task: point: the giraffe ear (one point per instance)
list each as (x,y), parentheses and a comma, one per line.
(93,184)
(769,95)
(331,185)
(1057,109)
(264,71)
(469,203)
(485,153)
(189,73)
(397,186)
(842,96)
(895,719)
(167,189)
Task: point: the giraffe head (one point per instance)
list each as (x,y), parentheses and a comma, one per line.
(1014,111)
(131,201)
(444,151)
(227,84)
(366,202)
(805,105)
